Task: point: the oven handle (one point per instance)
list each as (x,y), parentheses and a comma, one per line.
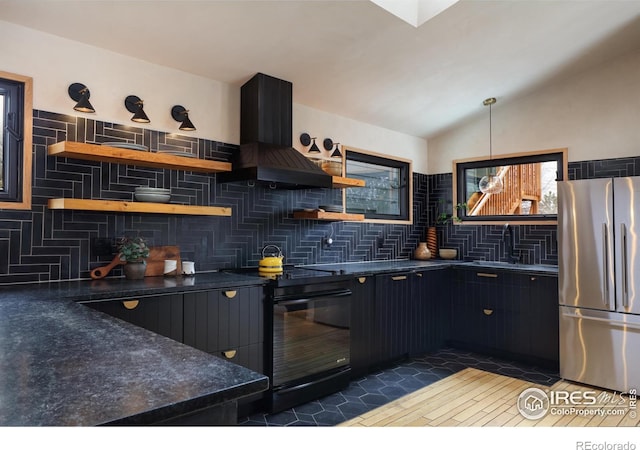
(285,390)
(295,299)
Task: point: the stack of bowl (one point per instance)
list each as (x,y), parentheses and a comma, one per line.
(152,195)
(332,167)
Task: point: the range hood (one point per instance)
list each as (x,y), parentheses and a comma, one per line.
(265,155)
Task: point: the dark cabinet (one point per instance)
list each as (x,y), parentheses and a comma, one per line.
(545,333)
(391,330)
(489,311)
(227,323)
(429,311)
(396,315)
(362,325)
(161,314)
(504,313)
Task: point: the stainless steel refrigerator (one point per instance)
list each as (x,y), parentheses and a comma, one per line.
(599,282)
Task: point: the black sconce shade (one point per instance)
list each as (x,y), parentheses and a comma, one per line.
(180,114)
(336,153)
(314,148)
(80,94)
(134,105)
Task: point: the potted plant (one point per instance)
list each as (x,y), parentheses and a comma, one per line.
(133,251)
(441,218)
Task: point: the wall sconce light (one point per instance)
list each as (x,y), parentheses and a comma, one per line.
(305,140)
(134,105)
(80,94)
(180,114)
(328,146)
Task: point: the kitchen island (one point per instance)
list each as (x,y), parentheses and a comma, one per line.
(64,364)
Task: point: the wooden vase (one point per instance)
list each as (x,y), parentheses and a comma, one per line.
(432,241)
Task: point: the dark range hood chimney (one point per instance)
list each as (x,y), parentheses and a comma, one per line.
(265,154)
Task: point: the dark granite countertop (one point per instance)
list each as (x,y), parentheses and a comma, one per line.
(373,267)
(538,269)
(63,363)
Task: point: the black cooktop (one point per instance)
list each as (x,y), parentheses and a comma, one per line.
(289,275)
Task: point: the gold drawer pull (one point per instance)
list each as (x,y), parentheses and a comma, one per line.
(361,280)
(230,294)
(419,275)
(229,354)
(487,312)
(399,278)
(534,278)
(130,304)
(487,275)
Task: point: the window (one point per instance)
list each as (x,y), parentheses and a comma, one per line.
(387,195)
(15,141)
(529,193)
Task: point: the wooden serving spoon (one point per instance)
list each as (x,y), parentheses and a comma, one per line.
(101,272)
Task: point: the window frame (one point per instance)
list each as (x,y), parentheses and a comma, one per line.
(406,173)
(460,165)
(20,158)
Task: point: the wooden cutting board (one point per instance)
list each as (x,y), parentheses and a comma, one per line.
(157,255)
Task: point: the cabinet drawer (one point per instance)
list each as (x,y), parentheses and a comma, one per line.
(250,356)
(219,320)
(161,314)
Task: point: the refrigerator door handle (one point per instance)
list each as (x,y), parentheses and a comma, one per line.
(605,264)
(625,266)
(627,325)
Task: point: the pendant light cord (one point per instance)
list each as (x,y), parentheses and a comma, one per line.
(490,136)
(490,101)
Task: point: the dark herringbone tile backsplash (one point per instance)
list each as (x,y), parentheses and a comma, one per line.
(44,245)
(536,244)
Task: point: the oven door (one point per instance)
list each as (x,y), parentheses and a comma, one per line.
(311,336)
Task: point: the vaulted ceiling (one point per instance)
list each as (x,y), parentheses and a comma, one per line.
(352,57)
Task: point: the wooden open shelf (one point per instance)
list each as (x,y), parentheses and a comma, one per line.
(95,152)
(139,207)
(319,215)
(342,182)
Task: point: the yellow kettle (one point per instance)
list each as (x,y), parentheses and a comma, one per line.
(272,262)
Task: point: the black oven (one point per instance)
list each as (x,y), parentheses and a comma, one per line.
(307,336)
(310,342)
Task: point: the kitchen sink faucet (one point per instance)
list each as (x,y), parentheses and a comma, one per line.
(511,256)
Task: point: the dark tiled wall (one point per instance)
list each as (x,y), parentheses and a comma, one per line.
(43,244)
(537,244)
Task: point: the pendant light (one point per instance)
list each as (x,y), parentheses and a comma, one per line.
(490,184)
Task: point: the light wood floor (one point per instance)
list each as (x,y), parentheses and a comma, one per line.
(474,398)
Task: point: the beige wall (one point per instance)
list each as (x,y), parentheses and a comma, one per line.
(357,134)
(596,115)
(55,63)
